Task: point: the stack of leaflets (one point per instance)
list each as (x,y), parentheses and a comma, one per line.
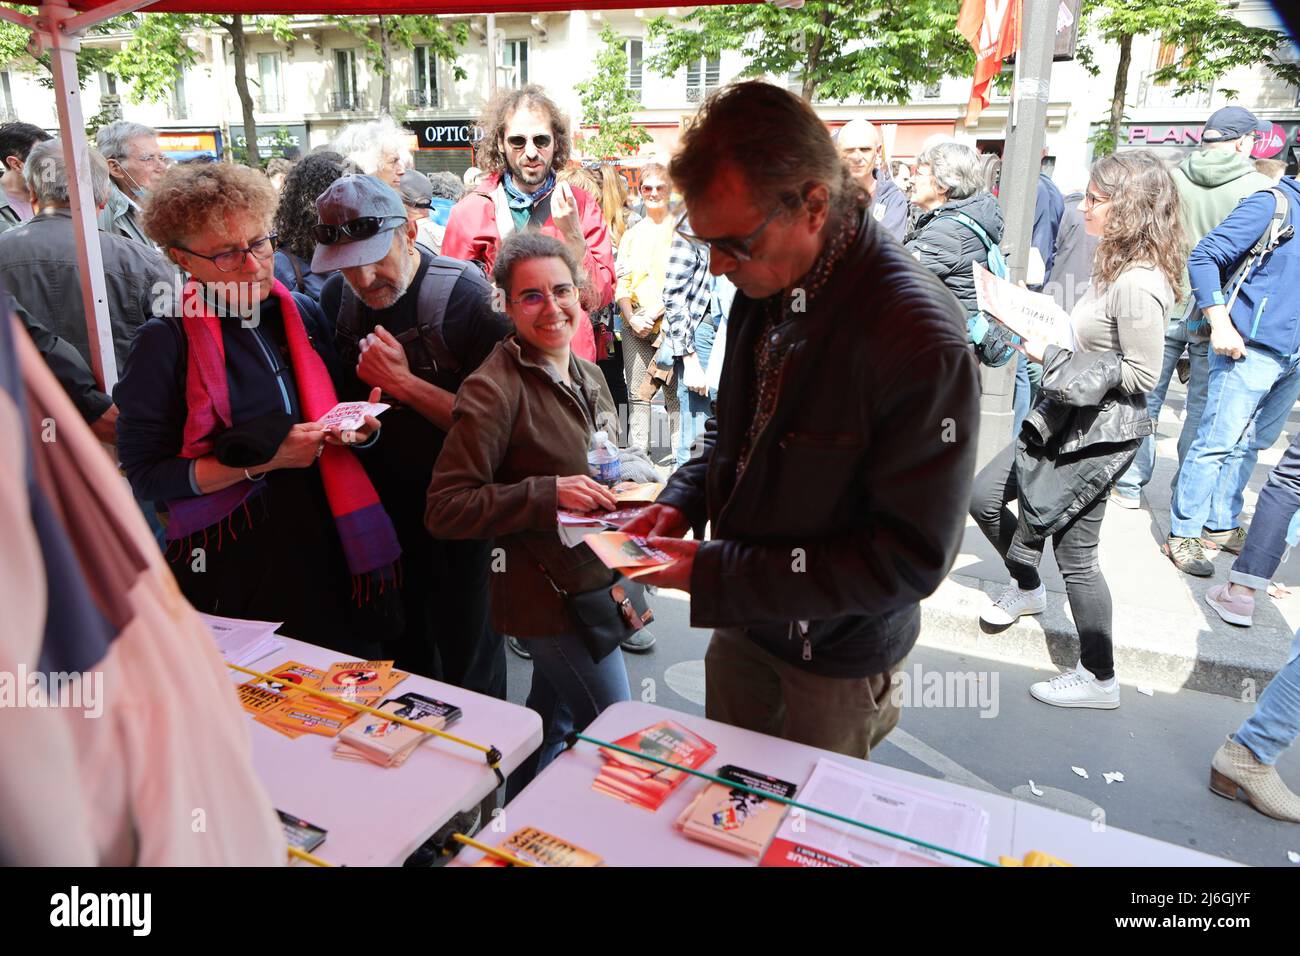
(628,554)
(300,834)
(243,642)
(737,820)
(822,841)
(362,681)
(387,742)
(633,491)
(280,705)
(574,527)
(541,849)
(644,783)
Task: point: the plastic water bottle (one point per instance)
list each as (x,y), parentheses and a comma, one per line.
(602,460)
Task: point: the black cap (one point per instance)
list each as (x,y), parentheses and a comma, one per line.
(1231,122)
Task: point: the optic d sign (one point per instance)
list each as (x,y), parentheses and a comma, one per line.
(433,135)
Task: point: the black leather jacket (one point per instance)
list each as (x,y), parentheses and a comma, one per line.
(1082,433)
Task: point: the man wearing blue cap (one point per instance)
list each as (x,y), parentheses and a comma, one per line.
(1210,183)
(414,325)
(1244,277)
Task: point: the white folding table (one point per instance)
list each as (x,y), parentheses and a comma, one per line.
(378,816)
(561,802)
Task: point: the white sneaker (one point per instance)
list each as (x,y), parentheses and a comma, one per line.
(1013,603)
(1076,688)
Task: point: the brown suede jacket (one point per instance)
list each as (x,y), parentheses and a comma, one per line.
(515,428)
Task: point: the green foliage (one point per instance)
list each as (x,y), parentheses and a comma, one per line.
(15,51)
(876,50)
(405,32)
(281,145)
(608,104)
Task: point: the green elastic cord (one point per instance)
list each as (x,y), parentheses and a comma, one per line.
(794,803)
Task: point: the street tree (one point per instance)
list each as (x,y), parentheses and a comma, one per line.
(1207,38)
(875,50)
(608,103)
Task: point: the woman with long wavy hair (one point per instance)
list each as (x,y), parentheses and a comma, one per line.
(296,215)
(1089,420)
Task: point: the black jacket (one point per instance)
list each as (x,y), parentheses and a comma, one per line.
(947,248)
(852,506)
(1082,433)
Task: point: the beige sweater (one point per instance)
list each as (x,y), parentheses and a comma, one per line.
(1128,317)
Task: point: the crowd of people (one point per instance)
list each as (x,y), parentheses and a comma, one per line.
(805,308)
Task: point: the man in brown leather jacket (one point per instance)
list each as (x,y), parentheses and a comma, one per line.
(838,468)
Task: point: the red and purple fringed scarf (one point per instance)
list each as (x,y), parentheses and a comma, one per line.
(369,540)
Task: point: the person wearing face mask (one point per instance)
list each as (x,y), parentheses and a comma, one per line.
(270,514)
(527,142)
(413,325)
(517,452)
(134,162)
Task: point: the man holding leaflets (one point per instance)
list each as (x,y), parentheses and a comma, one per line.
(836,470)
(414,325)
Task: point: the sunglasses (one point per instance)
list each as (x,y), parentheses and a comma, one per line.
(541,141)
(738,249)
(654,187)
(234,259)
(360,228)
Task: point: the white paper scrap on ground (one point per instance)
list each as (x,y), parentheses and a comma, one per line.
(1034,790)
(1143,689)
(1293,856)
(1081,772)
(1114,775)
(349,416)
(1031,315)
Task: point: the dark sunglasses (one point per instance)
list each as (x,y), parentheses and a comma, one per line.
(738,249)
(654,187)
(541,141)
(361,228)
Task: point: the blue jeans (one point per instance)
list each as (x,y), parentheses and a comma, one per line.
(1246,403)
(1137,475)
(1020,403)
(695,407)
(569,690)
(1276,721)
(1279,500)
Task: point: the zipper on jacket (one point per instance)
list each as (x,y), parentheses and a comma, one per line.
(1259,312)
(275,370)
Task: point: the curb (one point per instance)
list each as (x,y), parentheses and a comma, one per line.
(1152,648)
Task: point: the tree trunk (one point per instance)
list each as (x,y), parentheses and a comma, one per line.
(1121,88)
(813,61)
(240,46)
(386,73)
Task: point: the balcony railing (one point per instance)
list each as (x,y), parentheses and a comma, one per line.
(1154,94)
(423,99)
(342,101)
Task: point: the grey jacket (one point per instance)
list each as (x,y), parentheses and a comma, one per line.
(120,219)
(8,214)
(38,265)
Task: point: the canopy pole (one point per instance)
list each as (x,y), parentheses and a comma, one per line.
(72,130)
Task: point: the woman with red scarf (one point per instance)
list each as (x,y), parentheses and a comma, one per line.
(270,515)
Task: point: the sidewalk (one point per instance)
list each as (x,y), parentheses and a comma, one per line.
(1166,636)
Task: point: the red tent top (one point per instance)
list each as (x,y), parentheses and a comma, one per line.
(386,6)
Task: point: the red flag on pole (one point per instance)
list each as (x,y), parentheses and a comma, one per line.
(993,29)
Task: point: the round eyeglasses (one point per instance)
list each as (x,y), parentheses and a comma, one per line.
(532,301)
(233,259)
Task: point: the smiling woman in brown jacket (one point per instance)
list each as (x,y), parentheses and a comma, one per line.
(517,452)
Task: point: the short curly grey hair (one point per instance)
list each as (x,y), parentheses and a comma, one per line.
(956,169)
(47,177)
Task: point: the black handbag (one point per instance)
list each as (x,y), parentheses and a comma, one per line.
(606,616)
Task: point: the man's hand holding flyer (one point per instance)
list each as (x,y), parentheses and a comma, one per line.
(1033,316)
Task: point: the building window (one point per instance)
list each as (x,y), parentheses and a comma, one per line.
(633,50)
(271,99)
(179,104)
(515,58)
(702,78)
(345,96)
(932,91)
(424,95)
(107,84)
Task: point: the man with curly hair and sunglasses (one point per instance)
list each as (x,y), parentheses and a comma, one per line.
(527,142)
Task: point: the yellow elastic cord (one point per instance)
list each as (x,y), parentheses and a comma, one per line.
(304,855)
(490,850)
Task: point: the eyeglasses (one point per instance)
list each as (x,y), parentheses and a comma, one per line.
(531,302)
(1090,200)
(738,249)
(234,259)
(149,158)
(654,187)
(362,228)
(541,141)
